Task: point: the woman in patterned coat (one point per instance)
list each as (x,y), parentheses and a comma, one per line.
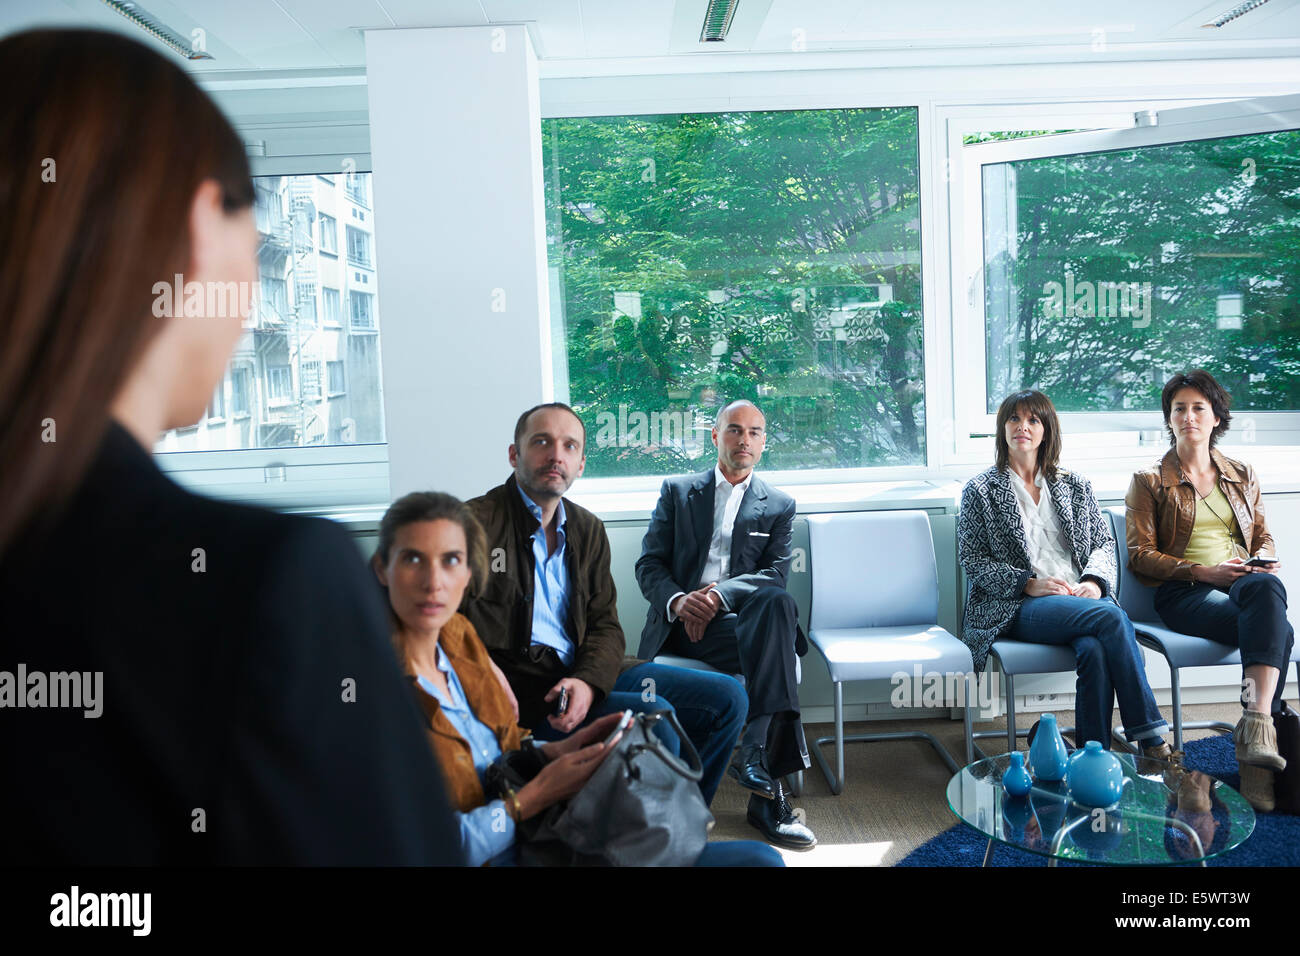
(1040,559)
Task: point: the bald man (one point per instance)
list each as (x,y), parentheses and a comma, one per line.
(713,566)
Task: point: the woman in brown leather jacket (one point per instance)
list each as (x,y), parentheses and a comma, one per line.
(1195,519)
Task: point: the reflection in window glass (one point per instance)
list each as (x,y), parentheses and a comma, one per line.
(279,393)
(1105,273)
(774,256)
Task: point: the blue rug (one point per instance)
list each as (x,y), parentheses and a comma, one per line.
(1274,842)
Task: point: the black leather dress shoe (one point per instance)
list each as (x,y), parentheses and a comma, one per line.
(748,770)
(777,822)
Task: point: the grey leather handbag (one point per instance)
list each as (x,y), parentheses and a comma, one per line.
(642,807)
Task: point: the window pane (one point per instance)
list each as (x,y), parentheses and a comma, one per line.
(279,395)
(1105,273)
(773,256)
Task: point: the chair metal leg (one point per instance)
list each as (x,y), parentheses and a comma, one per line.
(835,778)
(1011,713)
(839,737)
(966,720)
(1117,735)
(1176,695)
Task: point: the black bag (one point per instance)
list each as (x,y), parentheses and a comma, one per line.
(1286,783)
(642,806)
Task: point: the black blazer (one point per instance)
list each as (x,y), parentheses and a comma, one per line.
(676,547)
(224,735)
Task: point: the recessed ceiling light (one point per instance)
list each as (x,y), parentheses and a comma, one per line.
(717,20)
(157,29)
(1227,16)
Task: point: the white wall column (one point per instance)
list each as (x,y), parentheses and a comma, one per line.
(455,138)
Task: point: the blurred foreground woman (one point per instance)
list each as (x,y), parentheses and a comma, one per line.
(182,681)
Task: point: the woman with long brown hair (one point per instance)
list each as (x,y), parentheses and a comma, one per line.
(182,681)
(1041,561)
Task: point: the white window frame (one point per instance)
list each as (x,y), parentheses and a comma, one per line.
(271,374)
(1094,436)
(372,327)
(337,322)
(330,248)
(290,477)
(330,391)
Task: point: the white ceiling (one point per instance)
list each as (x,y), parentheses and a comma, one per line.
(574,35)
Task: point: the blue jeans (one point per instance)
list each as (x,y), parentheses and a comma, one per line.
(739,853)
(1250,616)
(726,853)
(710,707)
(1108,662)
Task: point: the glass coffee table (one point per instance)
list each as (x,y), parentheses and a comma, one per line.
(1165,815)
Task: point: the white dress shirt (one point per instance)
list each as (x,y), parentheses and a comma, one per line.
(1050,555)
(726,503)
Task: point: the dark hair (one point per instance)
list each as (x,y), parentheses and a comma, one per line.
(1203,382)
(125,138)
(523,421)
(433,506)
(1031,402)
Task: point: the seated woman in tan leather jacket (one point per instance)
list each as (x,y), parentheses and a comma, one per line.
(430,549)
(1194,519)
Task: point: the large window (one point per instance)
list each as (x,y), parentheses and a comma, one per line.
(773,256)
(278,378)
(1106,272)
(1100,263)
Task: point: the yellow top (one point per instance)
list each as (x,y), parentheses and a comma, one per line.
(1216,535)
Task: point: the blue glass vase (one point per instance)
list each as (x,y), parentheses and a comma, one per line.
(1047,754)
(1015,779)
(1095,777)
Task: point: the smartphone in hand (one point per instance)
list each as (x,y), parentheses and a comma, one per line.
(1258,562)
(562,702)
(624,723)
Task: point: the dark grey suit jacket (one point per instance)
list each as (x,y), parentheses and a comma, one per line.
(676,547)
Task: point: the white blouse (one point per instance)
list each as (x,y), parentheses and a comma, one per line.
(1050,555)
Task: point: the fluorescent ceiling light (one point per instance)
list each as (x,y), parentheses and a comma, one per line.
(717,20)
(1240,10)
(157,29)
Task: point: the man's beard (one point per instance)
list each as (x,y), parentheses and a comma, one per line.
(536,490)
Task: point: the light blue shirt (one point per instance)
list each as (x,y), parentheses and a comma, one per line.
(486,831)
(550,586)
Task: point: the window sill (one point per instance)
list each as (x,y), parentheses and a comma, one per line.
(1278,469)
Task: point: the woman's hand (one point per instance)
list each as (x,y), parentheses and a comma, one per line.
(560,779)
(1042,587)
(595,731)
(505,686)
(1273,568)
(1088,589)
(1220,575)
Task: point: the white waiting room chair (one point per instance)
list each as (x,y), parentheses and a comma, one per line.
(875,612)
